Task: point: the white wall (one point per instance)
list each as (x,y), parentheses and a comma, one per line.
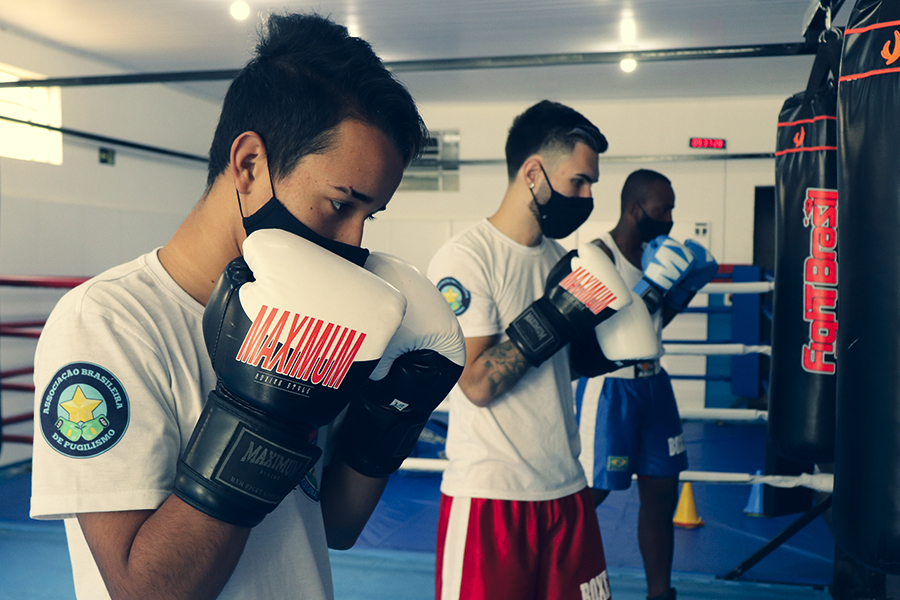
(82,217)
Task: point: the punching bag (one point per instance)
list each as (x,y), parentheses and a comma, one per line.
(804,307)
(866,509)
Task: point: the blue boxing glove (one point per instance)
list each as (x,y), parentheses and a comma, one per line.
(665,263)
(702,272)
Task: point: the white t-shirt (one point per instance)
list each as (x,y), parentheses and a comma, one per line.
(524,445)
(631,275)
(124,355)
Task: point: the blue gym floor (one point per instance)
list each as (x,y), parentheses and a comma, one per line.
(394,559)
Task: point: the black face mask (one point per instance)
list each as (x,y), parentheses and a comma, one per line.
(650,229)
(561,215)
(275,215)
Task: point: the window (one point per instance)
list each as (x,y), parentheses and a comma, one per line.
(36,105)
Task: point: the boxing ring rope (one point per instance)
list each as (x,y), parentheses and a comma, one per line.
(728,415)
(747,287)
(702,349)
(41,281)
(28,330)
(821,482)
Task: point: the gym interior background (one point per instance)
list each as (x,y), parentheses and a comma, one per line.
(72,209)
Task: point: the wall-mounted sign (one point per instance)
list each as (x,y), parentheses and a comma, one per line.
(714,143)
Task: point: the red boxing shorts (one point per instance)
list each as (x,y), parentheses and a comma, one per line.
(520,550)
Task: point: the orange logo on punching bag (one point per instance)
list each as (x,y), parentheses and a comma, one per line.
(799,137)
(891,57)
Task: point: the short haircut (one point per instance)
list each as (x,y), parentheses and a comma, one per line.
(549,126)
(307,76)
(638,184)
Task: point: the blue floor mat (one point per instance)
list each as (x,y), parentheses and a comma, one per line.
(394,558)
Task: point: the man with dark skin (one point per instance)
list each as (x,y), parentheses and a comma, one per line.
(634,426)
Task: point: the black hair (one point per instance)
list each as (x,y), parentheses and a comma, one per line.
(307,76)
(637,186)
(549,126)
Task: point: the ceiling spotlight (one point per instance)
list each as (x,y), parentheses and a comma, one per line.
(240,10)
(628,30)
(628,65)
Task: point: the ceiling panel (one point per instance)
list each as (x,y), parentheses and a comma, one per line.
(172,35)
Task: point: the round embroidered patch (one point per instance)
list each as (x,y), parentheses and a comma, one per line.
(456,295)
(84,411)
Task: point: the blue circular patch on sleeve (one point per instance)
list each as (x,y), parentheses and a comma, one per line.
(456,295)
(83,411)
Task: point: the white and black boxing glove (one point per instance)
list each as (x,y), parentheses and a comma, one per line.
(627,338)
(293,331)
(583,290)
(419,368)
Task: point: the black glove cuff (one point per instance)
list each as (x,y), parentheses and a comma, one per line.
(383,423)
(653,298)
(238,466)
(375,441)
(536,334)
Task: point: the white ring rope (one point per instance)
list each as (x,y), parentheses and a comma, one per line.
(821,482)
(731,415)
(427,465)
(748,287)
(715,349)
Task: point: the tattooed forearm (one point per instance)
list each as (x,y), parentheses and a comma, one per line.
(504,366)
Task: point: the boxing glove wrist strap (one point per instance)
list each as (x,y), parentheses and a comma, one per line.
(536,334)
(678,299)
(238,466)
(375,441)
(651,296)
(383,423)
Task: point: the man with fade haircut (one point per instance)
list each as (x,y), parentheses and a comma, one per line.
(516,516)
(185,397)
(628,417)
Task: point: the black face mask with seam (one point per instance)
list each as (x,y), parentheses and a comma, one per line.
(650,229)
(562,215)
(275,215)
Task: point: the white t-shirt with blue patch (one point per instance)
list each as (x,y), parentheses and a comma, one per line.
(122,374)
(525,444)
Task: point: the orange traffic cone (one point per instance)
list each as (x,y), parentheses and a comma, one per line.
(686,513)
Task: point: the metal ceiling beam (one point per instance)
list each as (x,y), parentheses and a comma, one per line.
(594,58)
(112,141)
(454,64)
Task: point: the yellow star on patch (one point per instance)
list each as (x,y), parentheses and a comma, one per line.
(80,407)
(451,296)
